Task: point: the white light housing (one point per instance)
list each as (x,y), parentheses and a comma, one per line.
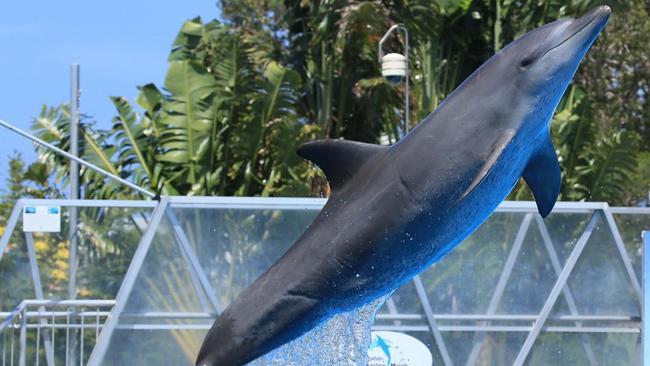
(393,68)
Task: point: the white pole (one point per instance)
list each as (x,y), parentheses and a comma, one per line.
(73,263)
(406,86)
(74,179)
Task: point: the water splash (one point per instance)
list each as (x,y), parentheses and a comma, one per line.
(341,341)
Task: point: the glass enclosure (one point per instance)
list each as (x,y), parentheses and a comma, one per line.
(521,290)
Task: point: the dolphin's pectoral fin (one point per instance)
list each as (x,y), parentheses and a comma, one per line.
(542,174)
(497,150)
(339,159)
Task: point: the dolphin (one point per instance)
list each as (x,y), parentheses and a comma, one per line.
(396,210)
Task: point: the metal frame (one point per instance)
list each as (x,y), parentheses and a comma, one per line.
(533,324)
(645,325)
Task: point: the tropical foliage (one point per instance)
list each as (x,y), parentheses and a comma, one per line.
(242,94)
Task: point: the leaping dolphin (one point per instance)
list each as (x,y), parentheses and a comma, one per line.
(396,210)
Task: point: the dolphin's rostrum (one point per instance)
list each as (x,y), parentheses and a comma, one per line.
(396,210)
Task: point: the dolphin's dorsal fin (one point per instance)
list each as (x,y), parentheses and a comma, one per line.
(338,159)
(542,174)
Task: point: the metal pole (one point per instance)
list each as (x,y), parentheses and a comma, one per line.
(38,290)
(23,337)
(80,161)
(73,262)
(645,309)
(74,180)
(407,102)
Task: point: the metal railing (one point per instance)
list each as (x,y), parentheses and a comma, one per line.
(43,329)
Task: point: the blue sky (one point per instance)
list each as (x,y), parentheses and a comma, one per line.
(119,45)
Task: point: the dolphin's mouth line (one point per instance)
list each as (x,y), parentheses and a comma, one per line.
(571,36)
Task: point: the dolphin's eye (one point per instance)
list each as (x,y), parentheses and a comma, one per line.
(526,62)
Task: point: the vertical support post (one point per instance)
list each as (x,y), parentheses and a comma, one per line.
(407,102)
(74,194)
(645,310)
(98,353)
(74,179)
(23,337)
(38,289)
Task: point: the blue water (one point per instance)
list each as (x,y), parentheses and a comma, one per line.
(343,340)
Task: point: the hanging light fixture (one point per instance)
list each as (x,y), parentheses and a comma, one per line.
(395,67)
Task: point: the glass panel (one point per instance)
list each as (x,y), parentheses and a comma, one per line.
(615,348)
(158,312)
(564,230)
(235,246)
(107,239)
(497,348)
(532,277)
(599,282)
(630,227)
(166,281)
(154,347)
(16,284)
(464,281)
(558,349)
